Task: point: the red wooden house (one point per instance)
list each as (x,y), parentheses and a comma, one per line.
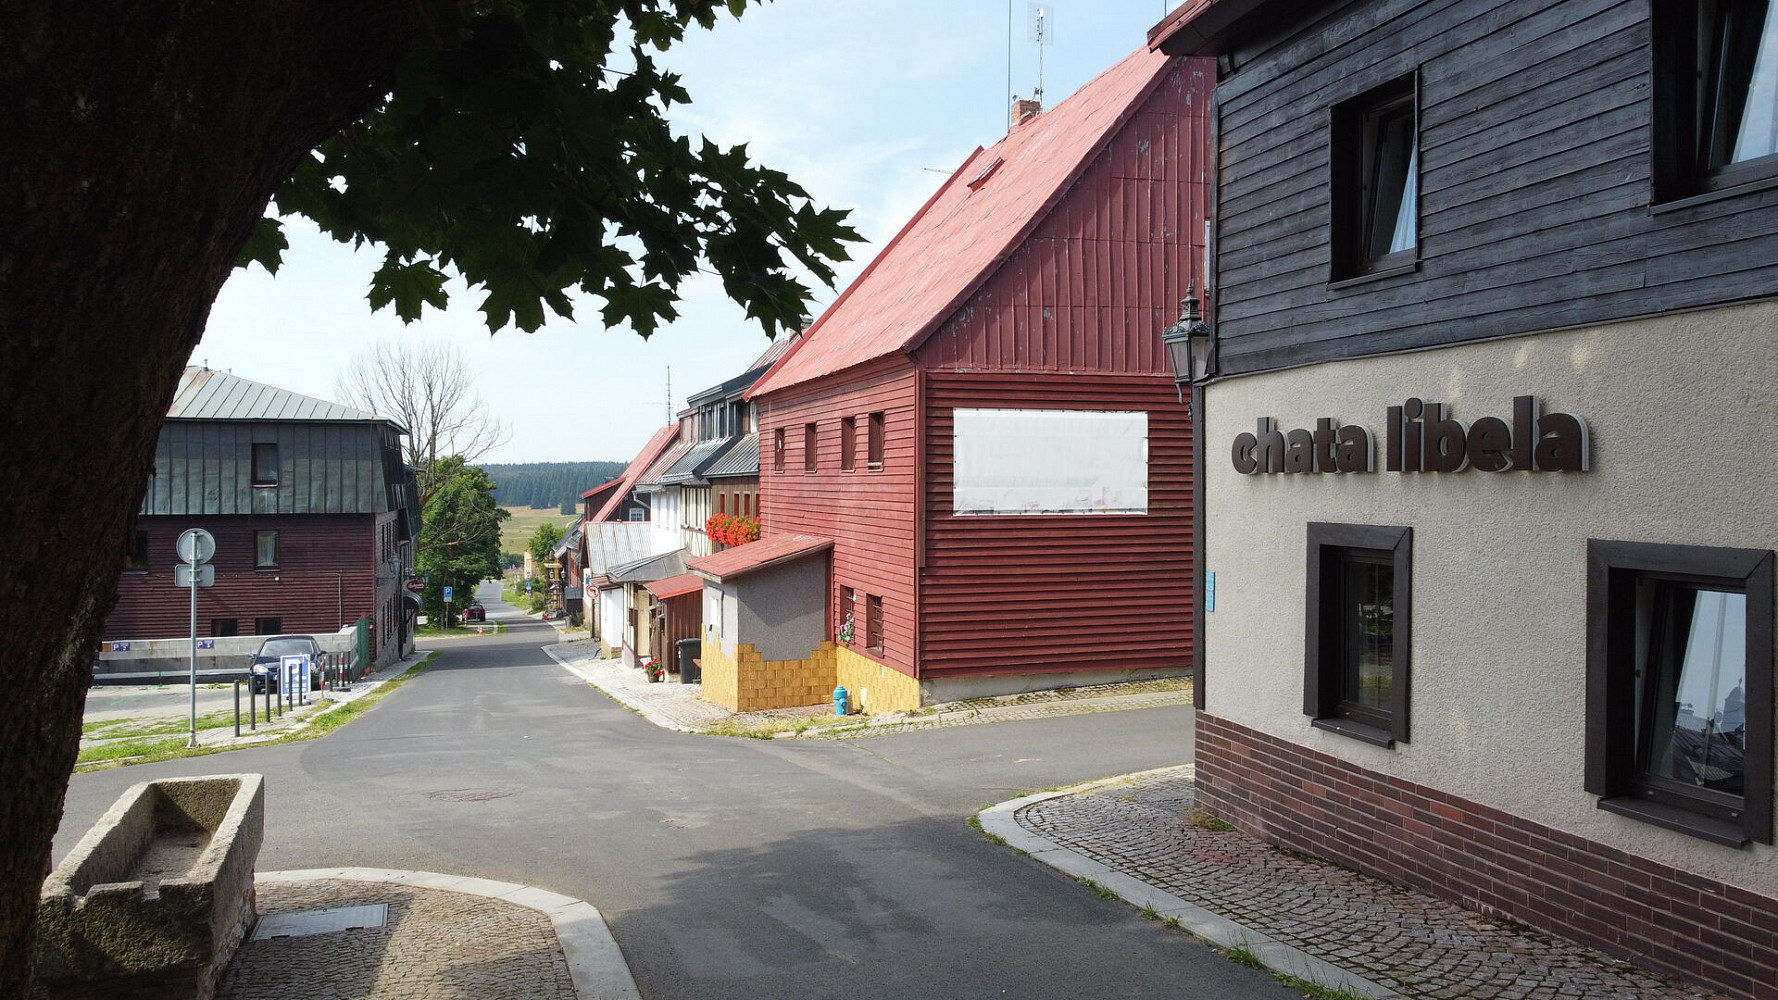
(985,425)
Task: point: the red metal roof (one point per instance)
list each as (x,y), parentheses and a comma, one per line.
(602,487)
(676,586)
(644,458)
(967,229)
(742,559)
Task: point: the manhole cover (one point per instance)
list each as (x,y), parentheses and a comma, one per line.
(469,794)
(339,918)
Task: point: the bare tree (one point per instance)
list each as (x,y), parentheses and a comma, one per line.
(429,389)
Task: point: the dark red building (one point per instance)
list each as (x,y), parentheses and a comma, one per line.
(985,422)
(313,512)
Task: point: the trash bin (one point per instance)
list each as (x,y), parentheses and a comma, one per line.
(689,672)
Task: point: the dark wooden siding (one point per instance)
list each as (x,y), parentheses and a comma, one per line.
(326,467)
(1095,284)
(1534,183)
(1034,593)
(869,515)
(326,577)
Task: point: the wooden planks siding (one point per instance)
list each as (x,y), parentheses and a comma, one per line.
(868,514)
(326,576)
(1534,183)
(1036,593)
(326,467)
(1101,276)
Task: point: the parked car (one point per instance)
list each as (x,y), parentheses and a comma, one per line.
(475,613)
(264,666)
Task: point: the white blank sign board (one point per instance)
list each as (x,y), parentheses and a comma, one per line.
(1050,462)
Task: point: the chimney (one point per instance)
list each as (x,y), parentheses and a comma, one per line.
(1023,110)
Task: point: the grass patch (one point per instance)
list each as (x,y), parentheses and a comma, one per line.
(1171,923)
(323,720)
(1101,891)
(766,729)
(516,531)
(1150,913)
(1241,956)
(137,728)
(1315,991)
(1203,819)
(439,632)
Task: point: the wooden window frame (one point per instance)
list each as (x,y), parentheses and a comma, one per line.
(1324,671)
(811,448)
(1613,569)
(848,444)
(873,623)
(1680,169)
(277,553)
(875,445)
(848,606)
(277,625)
(268,450)
(1352,127)
(778,450)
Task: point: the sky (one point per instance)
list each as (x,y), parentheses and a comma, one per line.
(869,106)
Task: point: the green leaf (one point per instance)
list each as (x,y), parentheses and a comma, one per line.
(411,287)
(265,246)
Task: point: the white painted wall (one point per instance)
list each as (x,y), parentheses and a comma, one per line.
(1682,412)
(611,616)
(664,518)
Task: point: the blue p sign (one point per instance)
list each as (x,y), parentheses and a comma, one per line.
(447,595)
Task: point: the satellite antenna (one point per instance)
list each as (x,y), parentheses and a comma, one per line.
(1041,28)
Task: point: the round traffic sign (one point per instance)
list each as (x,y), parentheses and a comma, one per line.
(196,546)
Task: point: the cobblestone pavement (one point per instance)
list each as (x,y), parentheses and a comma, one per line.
(437,945)
(678,706)
(1141,825)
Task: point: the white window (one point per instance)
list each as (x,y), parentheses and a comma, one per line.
(1050,462)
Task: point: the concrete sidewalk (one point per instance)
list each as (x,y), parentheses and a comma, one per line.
(444,937)
(673,705)
(1138,836)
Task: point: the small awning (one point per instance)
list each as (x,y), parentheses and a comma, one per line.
(676,586)
(742,559)
(603,582)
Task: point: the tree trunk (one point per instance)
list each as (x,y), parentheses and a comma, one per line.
(145,139)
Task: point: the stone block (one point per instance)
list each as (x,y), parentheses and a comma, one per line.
(155,898)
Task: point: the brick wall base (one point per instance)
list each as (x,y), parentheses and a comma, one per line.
(1658,917)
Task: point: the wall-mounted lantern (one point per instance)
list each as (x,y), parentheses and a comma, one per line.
(1188,345)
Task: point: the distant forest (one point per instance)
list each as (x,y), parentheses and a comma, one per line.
(548,484)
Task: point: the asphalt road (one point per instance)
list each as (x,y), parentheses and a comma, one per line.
(727,868)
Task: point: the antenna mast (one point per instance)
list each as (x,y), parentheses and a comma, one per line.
(669,394)
(1042,31)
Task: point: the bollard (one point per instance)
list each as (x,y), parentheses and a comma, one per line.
(252,708)
(237,707)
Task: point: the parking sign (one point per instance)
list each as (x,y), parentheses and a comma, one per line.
(447,596)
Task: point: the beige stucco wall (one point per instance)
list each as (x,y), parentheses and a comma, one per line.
(1682,412)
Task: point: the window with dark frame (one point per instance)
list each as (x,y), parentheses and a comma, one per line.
(1679,687)
(225,626)
(265,465)
(848,607)
(268,626)
(809,443)
(136,559)
(778,450)
(1375,182)
(265,550)
(874,457)
(848,443)
(1355,673)
(1716,95)
(873,623)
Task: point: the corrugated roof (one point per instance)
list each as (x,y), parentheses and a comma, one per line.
(690,466)
(652,477)
(614,543)
(967,229)
(740,460)
(743,559)
(638,465)
(649,568)
(205,394)
(676,586)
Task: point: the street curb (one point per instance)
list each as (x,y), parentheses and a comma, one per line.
(641,708)
(595,963)
(1212,928)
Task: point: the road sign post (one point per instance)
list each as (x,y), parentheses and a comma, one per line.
(447,606)
(195,546)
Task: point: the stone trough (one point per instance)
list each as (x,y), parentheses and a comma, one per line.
(154,900)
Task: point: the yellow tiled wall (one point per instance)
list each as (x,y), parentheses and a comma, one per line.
(747,682)
(873,686)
